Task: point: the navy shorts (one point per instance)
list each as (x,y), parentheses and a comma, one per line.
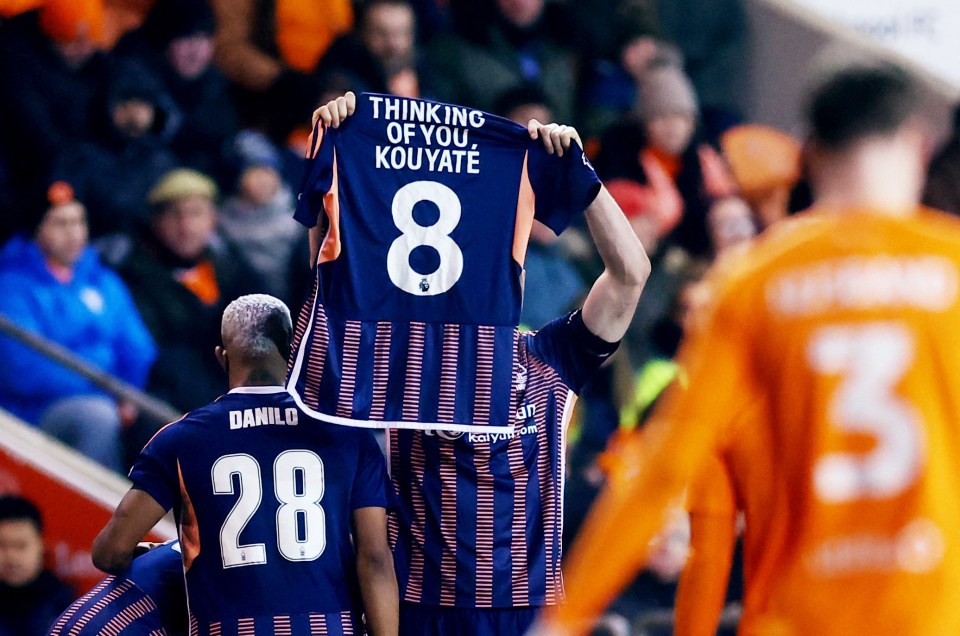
(430,620)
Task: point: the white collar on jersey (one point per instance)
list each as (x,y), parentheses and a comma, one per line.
(259,389)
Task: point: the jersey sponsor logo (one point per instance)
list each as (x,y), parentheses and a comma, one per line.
(918,547)
(263,416)
(525,412)
(530,429)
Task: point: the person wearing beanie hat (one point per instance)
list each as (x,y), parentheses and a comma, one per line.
(258,219)
(665,90)
(667,105)
(55,285)
(117,168)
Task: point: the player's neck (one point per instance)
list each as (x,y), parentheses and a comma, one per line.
(256,376)
(885,179)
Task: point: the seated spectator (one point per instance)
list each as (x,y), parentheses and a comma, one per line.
(52,78)
(116,171)
(258,220)
(181,274)
(270,50)
(943,176)
(380,56)
(55,286)
(516,43)
(31,597)
(176,43)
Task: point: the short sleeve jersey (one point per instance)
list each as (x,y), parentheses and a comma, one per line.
(263,497)
(842,324)
(428,209)
(480,515)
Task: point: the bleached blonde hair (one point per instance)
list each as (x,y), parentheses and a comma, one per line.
(257,322)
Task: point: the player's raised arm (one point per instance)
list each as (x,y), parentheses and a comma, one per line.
(378,580)
(612,301)
(134,517)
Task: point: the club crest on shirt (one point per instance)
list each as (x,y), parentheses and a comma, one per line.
(520,378)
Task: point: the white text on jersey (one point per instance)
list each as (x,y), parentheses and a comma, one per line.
(263,416)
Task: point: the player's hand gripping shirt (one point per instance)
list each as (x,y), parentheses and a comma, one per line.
(264,500)
(843,326)
(427,209)
(480,515)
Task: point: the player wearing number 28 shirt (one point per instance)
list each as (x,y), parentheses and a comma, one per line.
(426,209)
(265,500)
(840,328)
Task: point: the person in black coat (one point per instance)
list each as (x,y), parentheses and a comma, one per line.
(176,43)
(182,275)
(116,171)
(52,83)
(31,597)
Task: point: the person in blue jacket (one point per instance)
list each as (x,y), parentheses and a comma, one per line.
(53,284)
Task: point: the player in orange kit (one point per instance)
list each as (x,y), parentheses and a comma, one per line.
(734,481)
(840,326)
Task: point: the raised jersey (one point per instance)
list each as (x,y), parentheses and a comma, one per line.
(427,209)
(146,600)
(264,499)
(480,514)
(842,324)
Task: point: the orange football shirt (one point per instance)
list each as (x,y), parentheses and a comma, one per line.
(843,327)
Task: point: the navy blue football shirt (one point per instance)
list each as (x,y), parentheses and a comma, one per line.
(263,497)
(427,209)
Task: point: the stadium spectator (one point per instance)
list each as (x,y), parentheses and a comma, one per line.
(116,171)
(765,164)
(176,43)
(31,597)
(942,190)
(851,383)
(730,223)
(494,594)
(712,36)
(55,286)
(258,220)
(146,599)
(181,274)
(381,54)
(52,82)
(315,555)
(270,50)
(663,130)
(509,43)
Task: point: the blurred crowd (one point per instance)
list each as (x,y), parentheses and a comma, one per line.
(150,152)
